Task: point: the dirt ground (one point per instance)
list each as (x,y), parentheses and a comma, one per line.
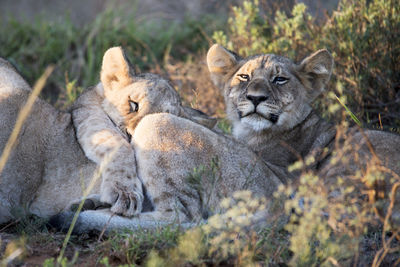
(35,249)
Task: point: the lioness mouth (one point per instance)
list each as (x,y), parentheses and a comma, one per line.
(273,118)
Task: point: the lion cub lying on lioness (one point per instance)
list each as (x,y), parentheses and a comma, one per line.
(268,102)
(106,116)
(138,121)
(47,170)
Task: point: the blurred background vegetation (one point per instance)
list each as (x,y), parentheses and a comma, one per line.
(172,40)
(363,36)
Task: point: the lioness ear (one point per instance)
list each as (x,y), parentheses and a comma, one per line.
(220,61)
(315,72)
(116,71)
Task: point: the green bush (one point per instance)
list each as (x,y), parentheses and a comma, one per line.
(229,238)
(365,39)
(363,36)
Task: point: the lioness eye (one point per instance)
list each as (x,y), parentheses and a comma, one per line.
(280,80)
(244,77)
(134,107)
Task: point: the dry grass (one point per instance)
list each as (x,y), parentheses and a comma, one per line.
(361,229)
(192,81)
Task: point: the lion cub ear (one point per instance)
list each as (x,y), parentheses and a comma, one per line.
(315,72)
(220,62)
(116,71)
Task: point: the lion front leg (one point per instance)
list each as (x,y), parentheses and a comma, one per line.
(107,146)
(123,189)
(121,186)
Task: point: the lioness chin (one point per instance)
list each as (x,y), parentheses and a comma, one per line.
(268,101)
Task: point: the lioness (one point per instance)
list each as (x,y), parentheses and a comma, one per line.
(268,102)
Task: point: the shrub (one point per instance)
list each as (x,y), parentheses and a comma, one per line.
(363,37)
(229,238)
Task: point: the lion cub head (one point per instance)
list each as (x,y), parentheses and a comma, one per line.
(128,96)
(268,92)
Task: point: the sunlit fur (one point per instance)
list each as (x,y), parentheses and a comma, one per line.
(286,101)
(104,121)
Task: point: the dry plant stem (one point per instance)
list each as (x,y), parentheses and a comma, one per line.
(334,261)
(381,254)
(10,224)
(395,187)
(9,259)
(392,196)
(370,147)
(397,262)
(23,114)
(380,166)
(92,183)
(104,228)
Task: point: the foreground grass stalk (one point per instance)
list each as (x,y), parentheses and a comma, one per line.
(92,183)
(352,115)
(9,259)
(23,114)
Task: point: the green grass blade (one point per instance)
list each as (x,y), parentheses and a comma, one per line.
(352,115)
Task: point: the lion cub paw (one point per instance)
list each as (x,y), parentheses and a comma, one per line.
(126,198)
(91,202)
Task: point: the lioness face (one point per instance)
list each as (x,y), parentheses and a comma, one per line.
(268,92)
(130,96)
(264,92)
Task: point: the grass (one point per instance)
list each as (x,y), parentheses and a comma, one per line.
(77,52)
(177,52)
(351,114)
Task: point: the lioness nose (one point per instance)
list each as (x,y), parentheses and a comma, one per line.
(256,99)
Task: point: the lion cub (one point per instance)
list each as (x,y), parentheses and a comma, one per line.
(106,116)
(47,171)
(268,102)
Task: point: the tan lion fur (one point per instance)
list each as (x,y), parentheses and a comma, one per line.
(48,169)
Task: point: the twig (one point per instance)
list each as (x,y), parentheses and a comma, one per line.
(380,121)
(10,224)
(105,227)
